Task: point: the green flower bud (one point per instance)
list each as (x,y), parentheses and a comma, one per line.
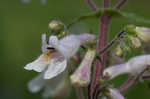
(56,26)
(119,51)
(130,28)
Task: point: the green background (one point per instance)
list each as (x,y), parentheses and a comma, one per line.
(21,26)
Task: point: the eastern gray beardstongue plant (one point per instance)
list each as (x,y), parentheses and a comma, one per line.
(80,60)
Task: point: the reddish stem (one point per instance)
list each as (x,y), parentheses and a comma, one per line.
(120,4)
(104,27)
(131,81)
(92,5)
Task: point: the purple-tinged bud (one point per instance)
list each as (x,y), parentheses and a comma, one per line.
(56,26)
(136,42)
(81,77)
(143,33)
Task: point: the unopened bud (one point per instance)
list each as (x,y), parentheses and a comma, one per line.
(56,26)
(143,33)
(136,42)
(81,77)
(130,28)
(119,51)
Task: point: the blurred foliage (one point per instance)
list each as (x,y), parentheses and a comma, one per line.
(21,26)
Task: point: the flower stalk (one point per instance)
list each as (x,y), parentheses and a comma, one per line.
(104,27)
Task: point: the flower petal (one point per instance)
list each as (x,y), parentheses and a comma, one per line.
(44,44)
(115,94)
(138,63)
(67,46)
(39,64)
(115,70)
(57,65)
(81,77)
(37,83)
(86,38)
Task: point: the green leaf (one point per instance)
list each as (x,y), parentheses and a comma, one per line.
(93,15)
(112,12)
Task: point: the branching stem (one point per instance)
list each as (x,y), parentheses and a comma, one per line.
(131,81)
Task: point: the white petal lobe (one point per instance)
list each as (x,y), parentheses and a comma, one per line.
(68,46)
(55,67)
(39,64)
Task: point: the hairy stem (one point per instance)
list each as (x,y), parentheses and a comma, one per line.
(92,5)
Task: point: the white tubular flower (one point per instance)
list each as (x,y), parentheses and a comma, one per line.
(134,66)
(115,94)
(50,59)
(81,77)
(69,45)
(52,87)
(55,60)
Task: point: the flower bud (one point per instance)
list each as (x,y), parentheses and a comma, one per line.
(56,26)
(143,33)
(81,77)
(119,51)
(130,28)
(136,42)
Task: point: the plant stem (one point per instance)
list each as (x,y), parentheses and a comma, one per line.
(131,81)
(104,27)
(80,93)
(112,42)
(92,5)
(120,4)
